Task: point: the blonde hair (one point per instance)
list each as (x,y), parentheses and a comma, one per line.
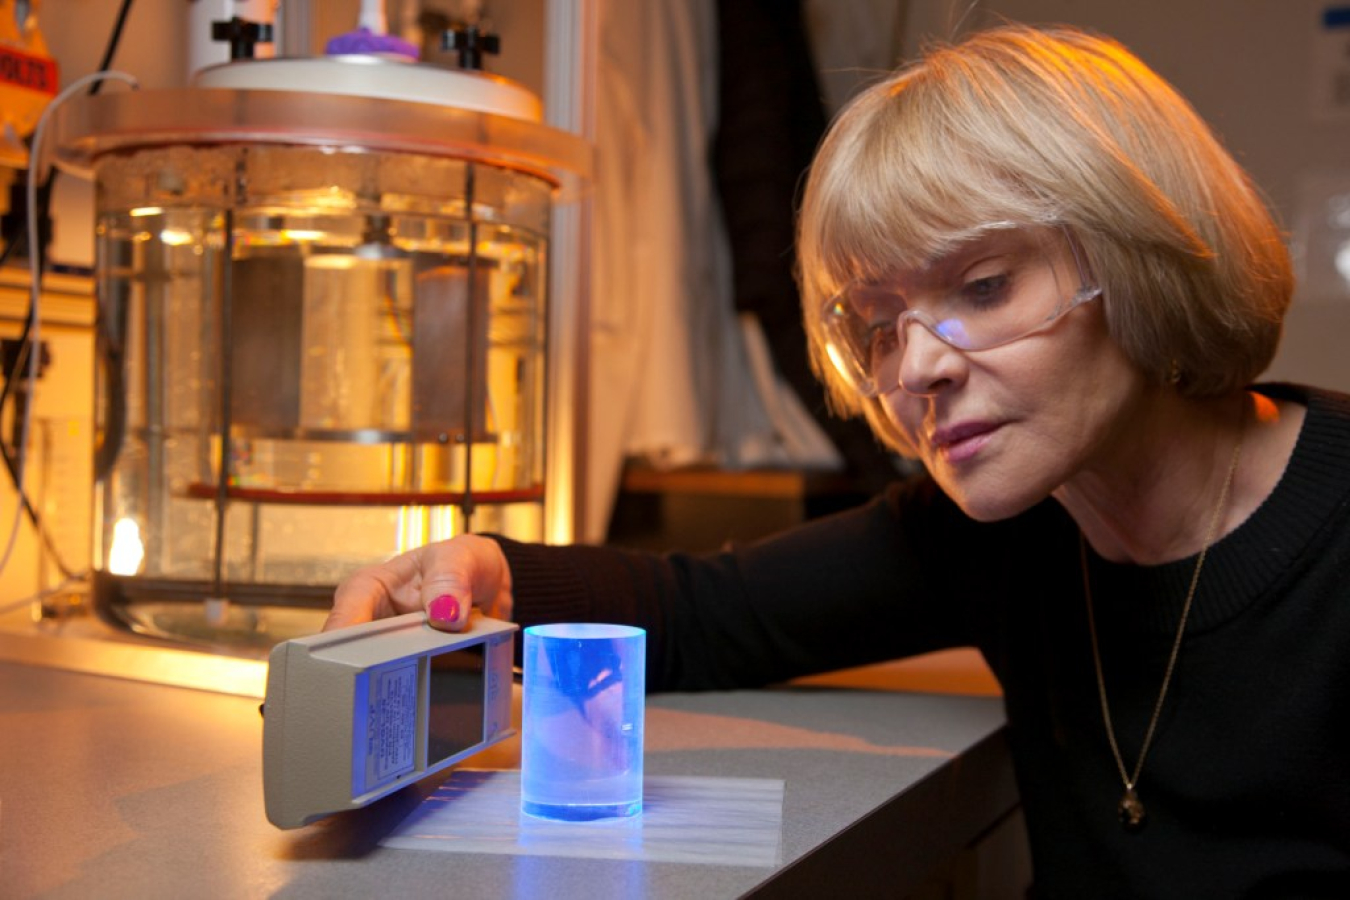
(1053,126)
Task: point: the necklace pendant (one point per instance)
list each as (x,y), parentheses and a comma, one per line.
(1131,811)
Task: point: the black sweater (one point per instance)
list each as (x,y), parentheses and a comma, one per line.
(1247,785)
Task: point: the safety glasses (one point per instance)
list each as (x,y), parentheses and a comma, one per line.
(1004,284)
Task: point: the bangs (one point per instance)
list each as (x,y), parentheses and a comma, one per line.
(908,181)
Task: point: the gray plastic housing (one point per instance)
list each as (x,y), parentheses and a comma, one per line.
(354,714)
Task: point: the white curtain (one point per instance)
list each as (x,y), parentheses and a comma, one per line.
(676,378)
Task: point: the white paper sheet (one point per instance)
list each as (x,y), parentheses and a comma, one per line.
(712,821)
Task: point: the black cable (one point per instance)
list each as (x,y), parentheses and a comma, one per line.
(113,40)
(9,248)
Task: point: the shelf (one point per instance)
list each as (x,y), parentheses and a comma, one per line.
(203,491)
(779,484)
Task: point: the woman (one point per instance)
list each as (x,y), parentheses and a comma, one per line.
(1030,265)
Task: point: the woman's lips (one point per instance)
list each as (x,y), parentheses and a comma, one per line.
(958,443)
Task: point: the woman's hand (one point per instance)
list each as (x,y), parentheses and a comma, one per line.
(446,579)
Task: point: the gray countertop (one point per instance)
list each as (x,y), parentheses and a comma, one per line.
(112,788)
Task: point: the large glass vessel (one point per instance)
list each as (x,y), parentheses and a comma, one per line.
(322,322)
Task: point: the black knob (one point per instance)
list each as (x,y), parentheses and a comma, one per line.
(470,44)
(242,35)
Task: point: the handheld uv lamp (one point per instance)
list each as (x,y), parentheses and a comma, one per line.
(354,714)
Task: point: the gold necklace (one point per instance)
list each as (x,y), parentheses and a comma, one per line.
(1130,809)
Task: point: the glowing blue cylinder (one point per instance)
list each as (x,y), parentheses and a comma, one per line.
(581,728)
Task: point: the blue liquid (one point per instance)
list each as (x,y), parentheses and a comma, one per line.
(581,731)
(581,812)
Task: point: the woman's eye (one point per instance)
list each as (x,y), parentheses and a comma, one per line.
(986,292)
(882,339)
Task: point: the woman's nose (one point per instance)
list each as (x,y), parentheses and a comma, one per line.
(927,364)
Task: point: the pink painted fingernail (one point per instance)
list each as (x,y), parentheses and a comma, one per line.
(444,609)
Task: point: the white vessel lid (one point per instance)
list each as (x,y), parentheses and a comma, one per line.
(380,77)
